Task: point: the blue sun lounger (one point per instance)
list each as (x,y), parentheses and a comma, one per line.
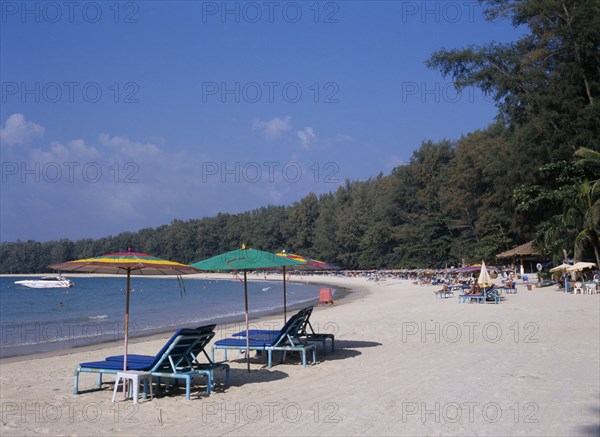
(194,355)
(469,297)
(177,359)
(270,334)
(305,330)
(286,340)
(487,296)
(492,296)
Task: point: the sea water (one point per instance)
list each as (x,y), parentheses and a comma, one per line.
(93,311)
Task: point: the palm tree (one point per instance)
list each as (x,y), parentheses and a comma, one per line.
(586,211)
(589,158)
(589,204)
(579,225)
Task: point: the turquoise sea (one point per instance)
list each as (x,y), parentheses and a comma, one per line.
(35,320)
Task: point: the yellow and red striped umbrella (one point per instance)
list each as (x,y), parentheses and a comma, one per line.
(126,263)
(308,263)
(305,264)
(136,263)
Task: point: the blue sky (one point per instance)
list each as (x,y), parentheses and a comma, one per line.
(117,116)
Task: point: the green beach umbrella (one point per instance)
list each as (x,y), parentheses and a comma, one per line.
(244,259)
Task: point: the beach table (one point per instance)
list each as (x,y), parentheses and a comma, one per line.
(136,377)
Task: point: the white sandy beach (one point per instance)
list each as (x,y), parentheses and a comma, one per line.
(405,363)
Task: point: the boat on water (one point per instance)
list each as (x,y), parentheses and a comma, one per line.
(46,282)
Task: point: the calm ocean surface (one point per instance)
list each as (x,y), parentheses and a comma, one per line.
(35,320)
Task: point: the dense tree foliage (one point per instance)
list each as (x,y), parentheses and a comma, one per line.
(533,172)
(547,89)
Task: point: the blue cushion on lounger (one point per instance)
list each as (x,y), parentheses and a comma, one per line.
(116,365)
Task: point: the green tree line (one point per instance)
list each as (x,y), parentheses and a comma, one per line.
(531,174)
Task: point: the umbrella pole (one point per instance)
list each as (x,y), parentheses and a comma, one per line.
(126,328)
(284,299)
(247,322)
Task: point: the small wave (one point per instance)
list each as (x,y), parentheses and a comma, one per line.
(101,316)
(266,289)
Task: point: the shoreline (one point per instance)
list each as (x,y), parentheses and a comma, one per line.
(343,295)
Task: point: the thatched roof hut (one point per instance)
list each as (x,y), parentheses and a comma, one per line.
(522,251)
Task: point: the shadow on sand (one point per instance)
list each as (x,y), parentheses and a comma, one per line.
(593,429)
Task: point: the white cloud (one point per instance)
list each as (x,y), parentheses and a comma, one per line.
(110,184)
(18,131)
(273,128)
(74,150)
(80,149)
(306,135)
(128,147)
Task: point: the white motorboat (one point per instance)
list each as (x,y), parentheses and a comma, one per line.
(46,282)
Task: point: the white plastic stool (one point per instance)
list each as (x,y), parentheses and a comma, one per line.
(136,377)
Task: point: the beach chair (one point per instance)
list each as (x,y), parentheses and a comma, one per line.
(176,360)
(480,298)
(269,334)
(492,296)
(141,359)
(305,331)
(194,355)
(286,340)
